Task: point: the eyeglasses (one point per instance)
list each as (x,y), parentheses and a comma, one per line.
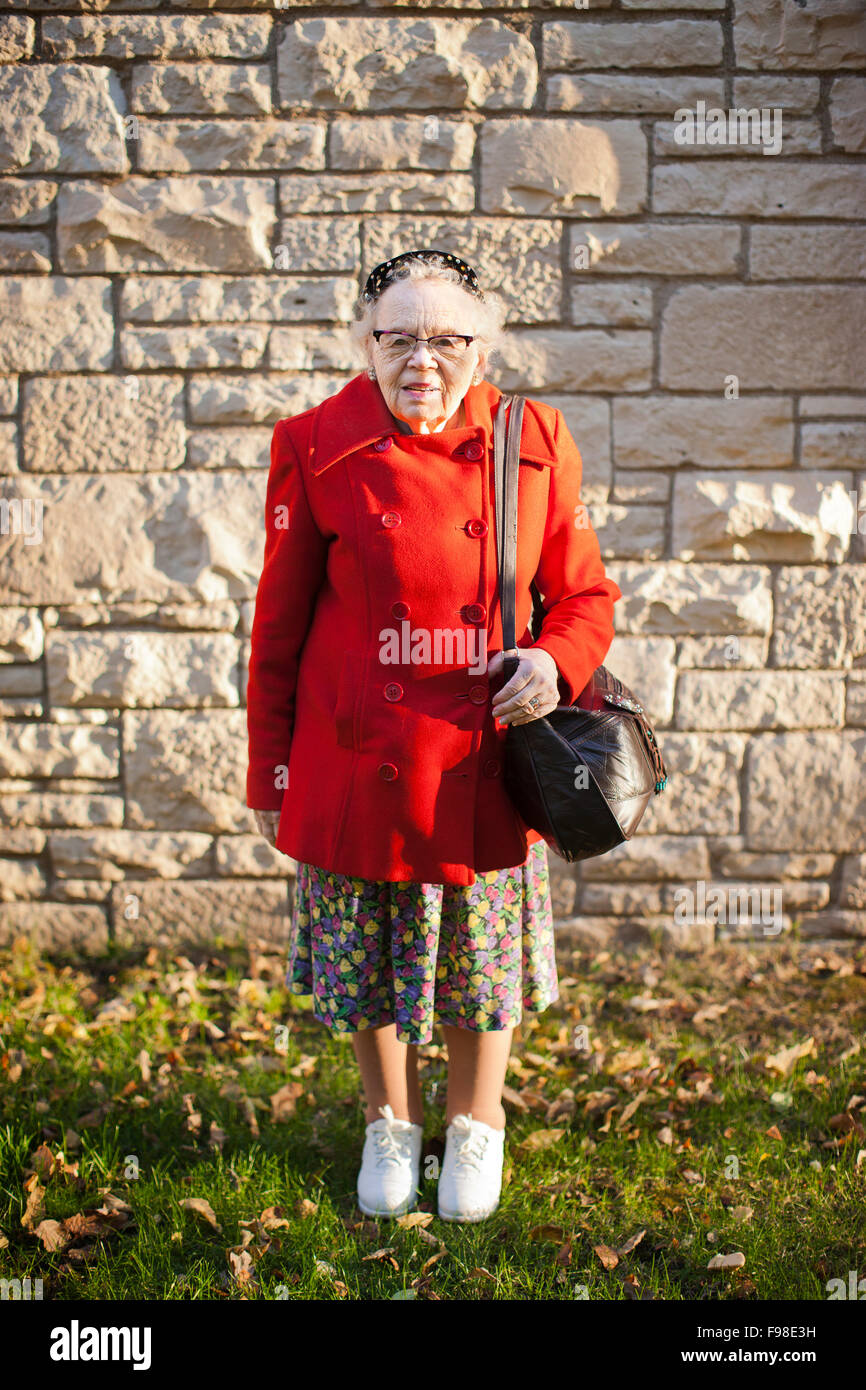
(450,347)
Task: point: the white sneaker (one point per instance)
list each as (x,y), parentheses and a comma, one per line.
(390,1166)
(471,1177)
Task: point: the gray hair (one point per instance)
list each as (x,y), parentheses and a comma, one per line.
(488,314)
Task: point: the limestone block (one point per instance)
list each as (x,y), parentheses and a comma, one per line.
(201,89)
(382,63)
(651,857)
(642,487)
(838,444)
(103,423)
(634,533)
(611,305)
(389,192)
(732,860)
(183,146)
(17,34)
(166,537)
(745,653)
(781,337)
(204,913)
(660,431)
(174,223)
(815,253)
(563,359)
(855,699)
(56,928)
(184,772)
(676,598)
(194,347)
(662,248)
(142,669)
(33,808)
(783,34)
(833,924)
(228,448)
(63,118)
(769,90)
(630,94)
(240,299)
(666,43)
(703,790)
(852,887)
(587,419)
(783,515)
(769,188)
(257,399)
(820,617)
(59,323)
(848,113)
(124,855)
(26,202)
(21,251)
(56,750)
(563,167)
(401,142)
(22,634)
(806,791)
(156,36)
(250,856)
(760,700)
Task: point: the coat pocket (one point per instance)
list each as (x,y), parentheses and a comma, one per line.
(350,700)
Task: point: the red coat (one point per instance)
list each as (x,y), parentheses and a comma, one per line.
(393,758)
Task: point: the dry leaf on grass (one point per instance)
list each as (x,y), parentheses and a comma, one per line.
(735,1260)
(540,1139)
(199,1206)
(784,1061)
(609,1258)
(415,1218)
(285,1100)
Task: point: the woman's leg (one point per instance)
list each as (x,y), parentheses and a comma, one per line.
(389,1071)
(477,1063)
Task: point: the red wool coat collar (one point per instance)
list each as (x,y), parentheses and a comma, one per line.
(358,414)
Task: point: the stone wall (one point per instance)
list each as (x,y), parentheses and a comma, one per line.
(190,195)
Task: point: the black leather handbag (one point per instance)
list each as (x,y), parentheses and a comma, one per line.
(581,776)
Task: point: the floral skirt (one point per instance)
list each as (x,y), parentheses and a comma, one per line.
(372,953)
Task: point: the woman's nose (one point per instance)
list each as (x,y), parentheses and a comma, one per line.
(423,348)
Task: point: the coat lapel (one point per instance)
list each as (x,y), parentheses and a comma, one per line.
(357,414)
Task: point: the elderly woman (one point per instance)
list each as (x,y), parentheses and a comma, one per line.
(377,714)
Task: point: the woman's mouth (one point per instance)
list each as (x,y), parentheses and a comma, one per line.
(417,390)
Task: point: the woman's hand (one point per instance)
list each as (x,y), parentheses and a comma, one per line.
(537,677)
(267,822)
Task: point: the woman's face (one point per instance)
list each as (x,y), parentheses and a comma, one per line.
(425,308)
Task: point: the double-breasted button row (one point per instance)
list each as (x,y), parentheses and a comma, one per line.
(478,694)
(393,691)
(476,527)
(388,771)
(391,519)
(400,609)
(474,449)
(383,444)
(474,612)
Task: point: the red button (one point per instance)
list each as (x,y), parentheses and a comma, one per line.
(400,610)
(476,527)
(387,771)
(474,450)
(475,612)
(478,694)
(383,444)
(394,691)
(491,767)
(391,518)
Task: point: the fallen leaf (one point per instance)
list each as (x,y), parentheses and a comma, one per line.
(284,1101)
(199,1206)
(631,1243)
(547,1233)
(784,1061)
(773,1132)
(540,1139)
(735,1260)
(415,1218)
(54,1235)
(742,1213)
(35,1205)
(609,1258)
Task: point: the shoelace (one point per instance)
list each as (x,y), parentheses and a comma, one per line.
(469,1148)
(387,1148)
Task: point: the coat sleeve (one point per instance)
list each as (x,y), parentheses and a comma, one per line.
(295,559)
(578,596)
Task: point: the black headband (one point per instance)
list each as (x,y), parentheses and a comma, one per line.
(380,275)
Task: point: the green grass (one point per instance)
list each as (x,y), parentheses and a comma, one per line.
(196,1122)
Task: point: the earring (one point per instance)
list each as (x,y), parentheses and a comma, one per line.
(371,373)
